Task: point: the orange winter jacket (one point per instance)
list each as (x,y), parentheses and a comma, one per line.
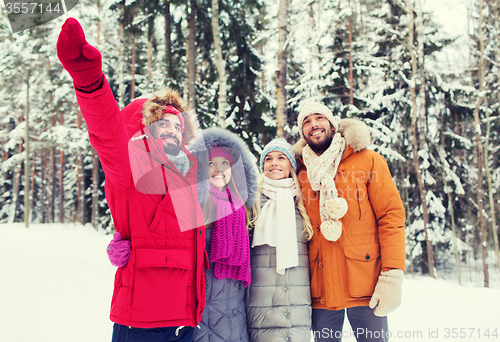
(344,272)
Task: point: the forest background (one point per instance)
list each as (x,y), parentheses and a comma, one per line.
(430,98)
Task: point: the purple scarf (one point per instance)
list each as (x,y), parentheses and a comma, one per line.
(230,247)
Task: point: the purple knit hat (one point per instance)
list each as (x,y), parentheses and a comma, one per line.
(218,151)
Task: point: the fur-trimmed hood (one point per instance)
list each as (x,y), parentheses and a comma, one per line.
(244,169)
(354,131)
(146,111)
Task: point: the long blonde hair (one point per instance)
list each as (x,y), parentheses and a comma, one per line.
(299,202)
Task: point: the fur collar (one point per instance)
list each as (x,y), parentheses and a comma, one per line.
(354,131)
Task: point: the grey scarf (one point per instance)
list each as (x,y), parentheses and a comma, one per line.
(180,161)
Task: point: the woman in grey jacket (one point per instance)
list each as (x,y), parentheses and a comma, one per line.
(278,302)
(227,184)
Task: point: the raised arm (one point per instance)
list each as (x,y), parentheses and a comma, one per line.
(107,131)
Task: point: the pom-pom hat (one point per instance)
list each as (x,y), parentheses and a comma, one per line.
(316,108)
(282,146)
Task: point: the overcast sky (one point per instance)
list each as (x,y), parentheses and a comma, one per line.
(452,14)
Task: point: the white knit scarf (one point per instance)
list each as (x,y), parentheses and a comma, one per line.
(321,171)
(276,224)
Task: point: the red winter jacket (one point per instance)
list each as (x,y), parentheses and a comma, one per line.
(163,284)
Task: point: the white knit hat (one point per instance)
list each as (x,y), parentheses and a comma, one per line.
(316,108)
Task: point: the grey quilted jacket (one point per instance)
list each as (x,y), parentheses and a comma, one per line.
(224,318)
(279,306)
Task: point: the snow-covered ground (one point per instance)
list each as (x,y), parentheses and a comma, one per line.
(56,285)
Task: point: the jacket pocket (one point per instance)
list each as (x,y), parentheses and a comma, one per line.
(315,270)
(161,280)
(363,264)
(159,212)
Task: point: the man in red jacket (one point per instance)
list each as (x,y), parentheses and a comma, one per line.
(159,295)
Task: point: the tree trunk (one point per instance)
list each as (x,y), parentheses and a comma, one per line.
(43,196)
(80,183)
(168,44)
(132,82)
(98,22)
(449,192)
(351,81)
(61,177)
(15,192)
(27,151)
(490,187)
(80,191)
(32,189)
(95,189)
(415,142)
(5,175)
(150,61)
(281,111)
(53,186)
(52,181)
(422,120)
(121,82)
(262,72)
(495,10)
(480,151)
(469,238)
(221,65)
(191,55)
(406,203)
(457,131)
(15,186)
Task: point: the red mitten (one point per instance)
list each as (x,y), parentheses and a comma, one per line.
(79,58)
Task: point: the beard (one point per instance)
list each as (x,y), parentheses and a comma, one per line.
(320,146)
(172,149)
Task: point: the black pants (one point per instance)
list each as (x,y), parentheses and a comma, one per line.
(327,325)
(122,333)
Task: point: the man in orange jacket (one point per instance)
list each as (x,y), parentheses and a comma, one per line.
(357,254)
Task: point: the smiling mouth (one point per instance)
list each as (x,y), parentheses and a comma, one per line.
(170,139)
(275,170)
(316,133)
(219,176)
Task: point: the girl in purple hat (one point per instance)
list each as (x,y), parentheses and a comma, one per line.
(227,193)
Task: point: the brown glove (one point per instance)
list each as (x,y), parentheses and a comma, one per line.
(387,294)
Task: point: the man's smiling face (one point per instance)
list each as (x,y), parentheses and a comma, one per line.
(318,132)
(169,129)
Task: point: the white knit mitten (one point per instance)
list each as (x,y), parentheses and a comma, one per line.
(387,294)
